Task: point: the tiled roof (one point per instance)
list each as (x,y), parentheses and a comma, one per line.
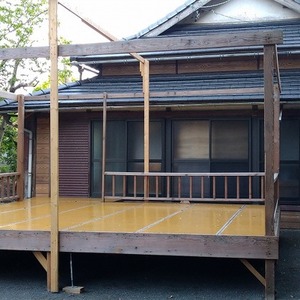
(131,84)
(291,41)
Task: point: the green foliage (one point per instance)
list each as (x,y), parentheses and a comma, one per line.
(19,19)
(8,149)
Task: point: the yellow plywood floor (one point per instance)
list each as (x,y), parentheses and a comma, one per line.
(92,215)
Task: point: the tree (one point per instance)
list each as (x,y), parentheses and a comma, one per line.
(20,20)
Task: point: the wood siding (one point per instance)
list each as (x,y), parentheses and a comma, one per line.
(42,172)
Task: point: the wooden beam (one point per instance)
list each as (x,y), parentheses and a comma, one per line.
(20,147)
(8,95)
(211,92)
(247,264)
(253,38)
(41,259)
(269,136)
(54,147)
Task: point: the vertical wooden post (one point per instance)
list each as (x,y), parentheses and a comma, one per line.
(269,136)
(269,162)
(146,90)
(276,128)
(54,145)
(20,147)
(103,146)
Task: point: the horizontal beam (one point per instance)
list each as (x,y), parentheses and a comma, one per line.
(245,39)
(153,94)
(263,247)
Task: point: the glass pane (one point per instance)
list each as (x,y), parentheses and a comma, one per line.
(230,140)
(97,140)
(136,140)
(191,139)
(289,140)
(289,180)
(96,179)
(115,140)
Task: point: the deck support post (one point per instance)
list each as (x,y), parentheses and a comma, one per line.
(20,147)
(270,279)
(144,68)
(54,147)
(104,123)
(269,138)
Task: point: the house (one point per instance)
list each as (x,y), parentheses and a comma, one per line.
(181,125)
(206,113)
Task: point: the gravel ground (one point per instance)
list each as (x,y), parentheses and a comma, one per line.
(122,277)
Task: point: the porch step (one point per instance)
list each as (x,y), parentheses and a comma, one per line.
(290,220)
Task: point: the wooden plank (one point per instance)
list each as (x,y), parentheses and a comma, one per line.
(265,37)
(146,91)
(20,147)
(54,146)
(269,137)
(8,95)
(96,27)
(171,244)
(211,92)
(41,259)
(25,240)
(276,128)
(254,271)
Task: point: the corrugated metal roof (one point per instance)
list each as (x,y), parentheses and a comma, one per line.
(162,83)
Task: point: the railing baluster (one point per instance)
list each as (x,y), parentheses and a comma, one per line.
(134,185)
(168,186)
(225,187)
(156,186)
(124,185)
(250,187)
(179,187)
(238,187)
(113,185)
(191,187)
(202,187)
(214,187)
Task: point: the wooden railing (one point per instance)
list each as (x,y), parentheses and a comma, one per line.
(8,186)
(200,187)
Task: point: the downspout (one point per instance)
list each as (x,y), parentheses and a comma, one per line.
(30,156)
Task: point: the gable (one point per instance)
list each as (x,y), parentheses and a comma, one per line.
(237,11)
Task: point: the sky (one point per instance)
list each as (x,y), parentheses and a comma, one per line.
(122,18)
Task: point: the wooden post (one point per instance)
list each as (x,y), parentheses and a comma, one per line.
(276,128)
(103,146)
(269,162)
(54,146)
(145,74)
(20,147)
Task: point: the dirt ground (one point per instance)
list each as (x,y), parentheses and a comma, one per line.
(123,277)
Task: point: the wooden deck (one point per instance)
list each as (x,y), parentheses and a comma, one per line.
(89,225)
